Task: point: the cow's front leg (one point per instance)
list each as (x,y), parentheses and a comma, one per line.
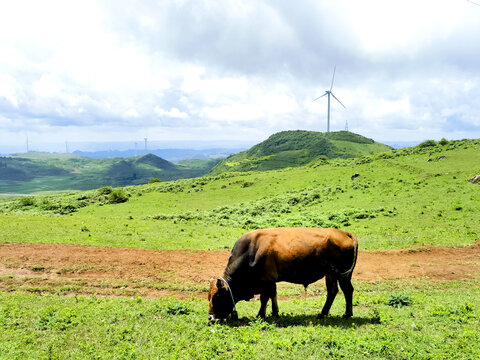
(332,290)
(268,292)
(263,305)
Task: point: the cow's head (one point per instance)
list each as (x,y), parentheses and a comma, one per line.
(220,301)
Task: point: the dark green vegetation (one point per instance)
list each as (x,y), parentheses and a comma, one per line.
(440,322)
(296,148)
(38,172)
(35,172)
(401,198)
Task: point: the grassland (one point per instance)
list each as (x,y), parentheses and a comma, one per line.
(414,320)
(401,199)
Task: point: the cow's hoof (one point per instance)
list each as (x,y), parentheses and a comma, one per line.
(346,316)
(321,316)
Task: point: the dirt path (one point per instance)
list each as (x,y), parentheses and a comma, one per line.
(73,269)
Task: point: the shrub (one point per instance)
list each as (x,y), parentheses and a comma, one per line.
(443,142)
(399,300)
(117,196)
(27,201)
(427,143)
(155,180)
(105,190)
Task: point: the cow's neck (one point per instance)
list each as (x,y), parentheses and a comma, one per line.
(239,288)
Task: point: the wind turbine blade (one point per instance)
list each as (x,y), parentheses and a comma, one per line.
(320,97)
(333,77)
(338,100)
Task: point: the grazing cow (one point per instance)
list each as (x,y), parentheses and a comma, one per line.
(262,258)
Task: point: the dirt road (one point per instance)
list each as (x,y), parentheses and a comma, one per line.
(73,269)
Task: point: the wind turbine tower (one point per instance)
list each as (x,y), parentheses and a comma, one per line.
(145,143)
(328,93)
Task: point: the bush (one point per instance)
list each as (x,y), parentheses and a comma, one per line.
(399,300)
(443,142)
(105,190)
(27,201)
(427,143)
(117,196)
(155,180)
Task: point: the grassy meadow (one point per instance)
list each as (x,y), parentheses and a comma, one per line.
(401,199)
(392,321)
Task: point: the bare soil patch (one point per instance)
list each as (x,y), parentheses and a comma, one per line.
(101,271)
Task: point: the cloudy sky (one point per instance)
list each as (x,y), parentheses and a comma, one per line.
(230,73)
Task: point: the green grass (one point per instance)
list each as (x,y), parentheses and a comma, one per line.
(296,148)
(399,200)
(441,322)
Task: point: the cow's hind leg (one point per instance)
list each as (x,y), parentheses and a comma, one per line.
(273,296)
(347,288)
(332,290)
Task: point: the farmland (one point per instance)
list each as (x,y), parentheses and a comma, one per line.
(118,272)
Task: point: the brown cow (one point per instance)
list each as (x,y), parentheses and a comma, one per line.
(262,258)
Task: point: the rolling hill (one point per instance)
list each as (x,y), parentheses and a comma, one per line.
(35,172)
(296,148)
(401,198)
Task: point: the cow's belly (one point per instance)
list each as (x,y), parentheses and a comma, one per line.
(302,275)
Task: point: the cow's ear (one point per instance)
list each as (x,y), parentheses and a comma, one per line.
(219,283)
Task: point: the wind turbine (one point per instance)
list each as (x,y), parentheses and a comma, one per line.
(328,93)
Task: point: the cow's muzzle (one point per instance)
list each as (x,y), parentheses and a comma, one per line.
(212,318)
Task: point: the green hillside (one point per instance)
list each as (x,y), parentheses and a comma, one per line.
(401,198)
(36,172)
(296,148)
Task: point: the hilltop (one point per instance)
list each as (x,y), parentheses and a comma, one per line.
(296,148)
(35,172)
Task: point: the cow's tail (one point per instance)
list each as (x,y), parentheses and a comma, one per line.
(349,272)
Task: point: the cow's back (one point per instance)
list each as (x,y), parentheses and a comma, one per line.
(298,255)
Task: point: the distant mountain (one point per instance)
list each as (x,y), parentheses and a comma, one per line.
(34,172)
(402,144)
(296,148)
(168,154)
(155,161)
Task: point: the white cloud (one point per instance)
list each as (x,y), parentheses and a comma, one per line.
(233,69)
(8,89)
(406,26)
(172,113)
(47,86)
